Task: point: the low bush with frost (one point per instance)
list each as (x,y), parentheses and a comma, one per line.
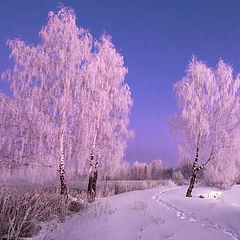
(21,211)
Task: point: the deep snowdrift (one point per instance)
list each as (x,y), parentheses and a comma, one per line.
(162,213)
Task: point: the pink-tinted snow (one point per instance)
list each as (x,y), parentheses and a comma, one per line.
(161,213)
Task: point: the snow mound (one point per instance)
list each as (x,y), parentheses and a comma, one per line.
(211,195)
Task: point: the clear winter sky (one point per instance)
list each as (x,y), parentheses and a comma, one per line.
(157,39)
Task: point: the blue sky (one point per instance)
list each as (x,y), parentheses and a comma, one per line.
(157,39)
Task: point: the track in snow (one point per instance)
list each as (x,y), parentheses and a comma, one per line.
(192,218)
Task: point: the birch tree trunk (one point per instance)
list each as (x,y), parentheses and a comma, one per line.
(91,195)
(192,182)
(95,178)
(194,169)
(62,172)
(90,179)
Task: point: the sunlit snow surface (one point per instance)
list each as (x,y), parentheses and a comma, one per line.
(162,213)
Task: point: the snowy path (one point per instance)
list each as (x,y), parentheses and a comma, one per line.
(154,214)
(191,217)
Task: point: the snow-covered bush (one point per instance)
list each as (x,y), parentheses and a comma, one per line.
(186,170)
(178,178)
(156,169)
(221,174)
(167,173)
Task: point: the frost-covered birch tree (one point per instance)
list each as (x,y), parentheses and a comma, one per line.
(209,112)
(110,104)
(73,87)
(196,94)
(50,76)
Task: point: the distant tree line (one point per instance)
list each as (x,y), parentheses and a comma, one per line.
(143,171)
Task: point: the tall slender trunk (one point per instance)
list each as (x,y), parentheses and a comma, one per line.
(194,169)
(62,172)
(90,180)
(91,197)
(95,178)
(191,186)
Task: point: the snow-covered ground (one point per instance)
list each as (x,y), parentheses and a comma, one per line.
(161,213)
